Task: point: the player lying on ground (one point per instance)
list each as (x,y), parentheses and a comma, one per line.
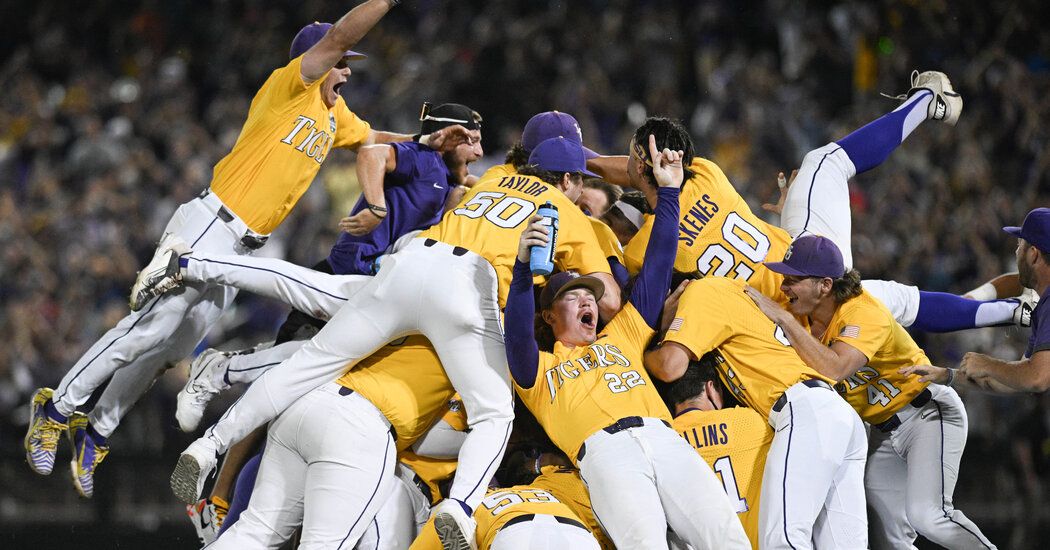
(918,431)
(813,483)
(295,119)
(594,399)
(1032,372)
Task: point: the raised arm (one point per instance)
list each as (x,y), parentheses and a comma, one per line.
(612,169)
(523,356)
(346,33)
(373,163)
(655,278)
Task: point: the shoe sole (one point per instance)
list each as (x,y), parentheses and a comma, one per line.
(449,533)
(184,479)
(76,480)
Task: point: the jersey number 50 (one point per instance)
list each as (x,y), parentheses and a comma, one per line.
(494,206)
(753,252)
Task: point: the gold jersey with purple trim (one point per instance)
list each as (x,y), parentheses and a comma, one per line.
(757,362)
(497,508)
(288,134)
(406,382)
(718,235)
(595,385)
(488,221)
(734,442)
(876,391)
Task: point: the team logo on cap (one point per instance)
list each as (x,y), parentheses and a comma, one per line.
(787,254)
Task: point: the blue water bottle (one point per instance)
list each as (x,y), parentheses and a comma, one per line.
(541,258)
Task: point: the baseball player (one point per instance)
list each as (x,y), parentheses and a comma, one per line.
(437,285)
(409,181)
(330,457)
(620,432)
(918,431)
(733,439)
(1031,373)
(523,517)
(295,119)
(813,482)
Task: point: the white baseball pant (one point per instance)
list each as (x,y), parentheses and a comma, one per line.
(643,479)
(911,476)
(447,294)
(817,202)
(902,300)
(164,331)
(813,484)
(543,532)
(329,463)
(399,520)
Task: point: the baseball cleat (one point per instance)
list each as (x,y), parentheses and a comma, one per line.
(207,516)
(947,104)
(201,387)
(454,527)
(162,273)
(192,469)
(41,441)
(1026,304)
(87,455)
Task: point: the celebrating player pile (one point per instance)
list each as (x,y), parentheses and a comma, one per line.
(774,351)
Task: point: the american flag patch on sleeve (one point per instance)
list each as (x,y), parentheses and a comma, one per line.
(676,324)
(850,331)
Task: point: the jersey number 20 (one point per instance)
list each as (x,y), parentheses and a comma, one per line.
(726,260)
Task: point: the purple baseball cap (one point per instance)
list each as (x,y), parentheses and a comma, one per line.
(811,256)
(310,35)
(564,281)
(561,154)
(552,124)
(1035,229)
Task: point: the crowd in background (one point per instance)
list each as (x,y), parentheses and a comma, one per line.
(110,117)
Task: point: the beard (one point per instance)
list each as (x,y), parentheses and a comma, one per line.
(1025,274)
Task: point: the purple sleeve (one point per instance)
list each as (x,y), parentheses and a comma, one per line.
(654,280)
(522,354)
(405,154)
(1040,338)
(619,272)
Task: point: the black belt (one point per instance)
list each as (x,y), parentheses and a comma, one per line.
(456,250)
(617,427)
(343,390)
(250,241)
(894,421)
(529,517)
(782,400)
(423,487)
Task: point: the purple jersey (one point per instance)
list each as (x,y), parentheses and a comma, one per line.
(1040,338)
(415,193)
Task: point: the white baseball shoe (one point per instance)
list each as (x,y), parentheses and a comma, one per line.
(195,464)
(455,528)
(1025,306)
(204,384)
(162,273)
(947,104)
(207,516)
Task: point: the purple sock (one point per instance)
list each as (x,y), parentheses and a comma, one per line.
(53,414)
(98,438)
(943,312)
(242,491)
(871,144)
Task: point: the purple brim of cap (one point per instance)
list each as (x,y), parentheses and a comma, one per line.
(1013,230)
(588,154)
(587,172)
(352,53)
(784,269)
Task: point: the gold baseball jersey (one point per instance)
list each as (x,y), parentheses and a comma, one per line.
(288,134)
(567,486)
(491,216)
(406,382)
(877,391)
(734,442)
(607,239)
(757,361)
(718,235)
(435,471)
(583,389)
(497,508)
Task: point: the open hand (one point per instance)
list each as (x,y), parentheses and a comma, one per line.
(360,224)
(926,373)
(448,138)
(769,308)
(671,305)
